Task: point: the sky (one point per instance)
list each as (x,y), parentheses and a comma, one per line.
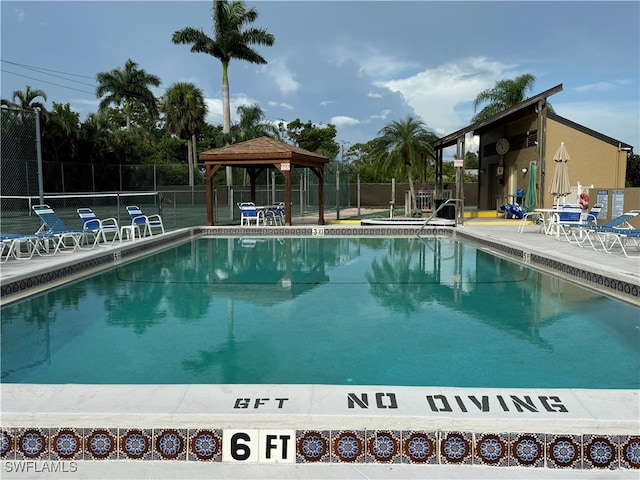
(355,64)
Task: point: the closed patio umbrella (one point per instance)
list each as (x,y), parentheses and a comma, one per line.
(530,198)
(560,185)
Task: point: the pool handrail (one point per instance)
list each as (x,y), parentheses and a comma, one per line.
(455,202)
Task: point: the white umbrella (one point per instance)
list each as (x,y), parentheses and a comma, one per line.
(560,184)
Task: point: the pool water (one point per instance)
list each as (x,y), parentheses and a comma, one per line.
(367,311)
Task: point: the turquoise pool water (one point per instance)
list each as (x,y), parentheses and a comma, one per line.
(374,311)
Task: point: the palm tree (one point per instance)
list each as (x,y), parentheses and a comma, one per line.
(24,100)
(185,110)
(506,93)
(126,87)
(252,124)
(229,41)
(402,145)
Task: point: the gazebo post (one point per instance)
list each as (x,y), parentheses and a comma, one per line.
(252,182)
(320,174)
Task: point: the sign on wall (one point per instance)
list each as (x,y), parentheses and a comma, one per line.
(603,199)
(617,203)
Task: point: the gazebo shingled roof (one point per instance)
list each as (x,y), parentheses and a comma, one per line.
(258,154)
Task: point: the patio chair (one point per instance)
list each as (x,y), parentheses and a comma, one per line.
(98,227)
(275,214)
(249,213)
(139,219)
(564,219)
(54,230)
(592,216)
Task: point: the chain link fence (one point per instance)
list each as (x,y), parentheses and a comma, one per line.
(108,188)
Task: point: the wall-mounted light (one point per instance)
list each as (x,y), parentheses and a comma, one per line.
(525,170)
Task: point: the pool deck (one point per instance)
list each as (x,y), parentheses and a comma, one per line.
(270,422)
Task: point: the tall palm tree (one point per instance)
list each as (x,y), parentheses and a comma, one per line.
(124,87)
(229,41)
(184,108)
(402,145)
(504,94)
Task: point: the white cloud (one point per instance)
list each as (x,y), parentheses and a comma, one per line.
(374,95)
(284,105)
(370,61)
(600,87)
(283,77)
(343,121)
(324,103)
(19,13)
(214,108)
(381,116)
(435,93)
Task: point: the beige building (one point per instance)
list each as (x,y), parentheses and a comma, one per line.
(523,139)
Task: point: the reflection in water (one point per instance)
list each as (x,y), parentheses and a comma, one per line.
(311,310)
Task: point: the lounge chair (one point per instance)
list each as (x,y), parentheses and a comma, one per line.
(12,246)
(139,219)
(593,233)
(621,237)
(53,229)
(249,213)
(99,228)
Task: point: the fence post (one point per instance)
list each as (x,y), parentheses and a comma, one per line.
(273,188)
(337,192)
(39,156)
(301,196)
(358,194)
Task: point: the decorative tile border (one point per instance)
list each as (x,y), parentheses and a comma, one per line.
(588,451)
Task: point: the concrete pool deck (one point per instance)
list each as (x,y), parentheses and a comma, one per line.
(331,431)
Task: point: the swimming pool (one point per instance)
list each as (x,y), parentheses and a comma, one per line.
(341,311)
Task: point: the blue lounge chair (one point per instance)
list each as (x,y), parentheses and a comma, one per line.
(139,219)
(594,234)
(98,228)
(17,246)
(54,230)
(621,237)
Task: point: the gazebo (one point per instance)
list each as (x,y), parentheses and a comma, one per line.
(257,155)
